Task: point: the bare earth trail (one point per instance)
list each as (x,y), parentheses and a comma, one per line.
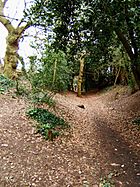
(97,145)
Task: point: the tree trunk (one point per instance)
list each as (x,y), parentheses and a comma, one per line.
(80,77)
(136,73)
(54,71)
(117,75)
(11,55)
(135,61)
(12,41)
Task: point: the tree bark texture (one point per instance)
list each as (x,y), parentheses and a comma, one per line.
(11,55)
(80,77)
(136,73)
(135,61)
(12,41)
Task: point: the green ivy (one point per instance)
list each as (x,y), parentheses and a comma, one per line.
(49,125)
(5,84)
(107,181)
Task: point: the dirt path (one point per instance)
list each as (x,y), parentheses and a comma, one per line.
(94,147)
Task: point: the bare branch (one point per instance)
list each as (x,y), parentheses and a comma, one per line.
(9,17)
(22,29)
(4,3)
(1,5)
(7,24)
(25,4)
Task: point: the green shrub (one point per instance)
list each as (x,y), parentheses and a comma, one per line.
(51,71)
(5,84)
(38,96)
(48,125)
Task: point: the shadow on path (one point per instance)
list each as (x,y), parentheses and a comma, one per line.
(118,156)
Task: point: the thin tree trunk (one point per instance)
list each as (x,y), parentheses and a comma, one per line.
(80,77)
(118,73)
(54,71)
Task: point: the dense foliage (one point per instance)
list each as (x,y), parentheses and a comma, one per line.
(100,28)
(50,71)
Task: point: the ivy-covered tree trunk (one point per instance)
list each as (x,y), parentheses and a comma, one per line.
(12,41)
(134,57)
(11,55)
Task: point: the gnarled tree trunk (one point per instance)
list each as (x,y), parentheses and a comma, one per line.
(12,41)
(11,55)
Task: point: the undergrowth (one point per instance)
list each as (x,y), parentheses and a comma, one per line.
(17,87)
(5,84)
(49,125)
(21,87)
(39,97)
(35,95)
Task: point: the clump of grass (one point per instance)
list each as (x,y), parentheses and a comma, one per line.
(5,84)
(49,125)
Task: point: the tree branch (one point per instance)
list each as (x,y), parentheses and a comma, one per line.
(131,31)
(125,43)
(6,23)
(23,28)
(4,3)
(1,5)
(10,17)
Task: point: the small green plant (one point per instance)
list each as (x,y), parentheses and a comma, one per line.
(5,84)
(107,181)
(47,131)
(136,122)
(49,125)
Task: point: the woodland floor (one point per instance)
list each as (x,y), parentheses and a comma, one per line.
(101,142)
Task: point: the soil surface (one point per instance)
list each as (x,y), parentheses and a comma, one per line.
(101,143)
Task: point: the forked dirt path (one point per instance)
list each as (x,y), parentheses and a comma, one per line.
(94,147)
